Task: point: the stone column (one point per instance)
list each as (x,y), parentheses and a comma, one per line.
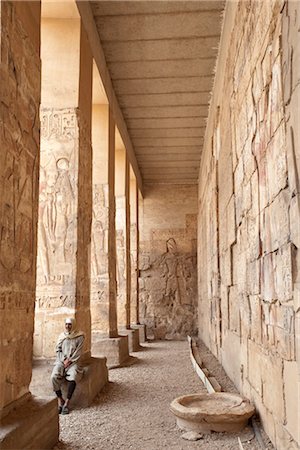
(65,211)
(123,247)
(114,347)
(100,225)
(135,259)
(65,216)
(133,249)
(120,171)
(112,255)
(128,244)
(19,163)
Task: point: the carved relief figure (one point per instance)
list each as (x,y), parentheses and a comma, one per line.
(64,203)
(48,219)
(98,232)
(173,269)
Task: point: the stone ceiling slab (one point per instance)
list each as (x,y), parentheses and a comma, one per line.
(167,132)
(155,50)
(167,142)
(157,26)
(165,111)
(169,157)
(167,150)
(166,123)
(172,85)
(112,8)
(180,99)
(161,57)
(161,69)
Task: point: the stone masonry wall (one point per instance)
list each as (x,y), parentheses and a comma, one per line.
(248,232)
(19,165)
(167,260)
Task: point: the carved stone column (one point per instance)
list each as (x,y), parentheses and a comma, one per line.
(65,207)
(114,348)
(112,257)
(120,170)
(135,260)
(100,224)
(19,164)
(123,248)
(133,250)
(127,248)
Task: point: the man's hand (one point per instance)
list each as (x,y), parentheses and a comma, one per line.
(67,363)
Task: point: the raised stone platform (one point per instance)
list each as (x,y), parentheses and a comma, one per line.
(116,350)
(142,331)
(33,424)
(95,377)
(133,339)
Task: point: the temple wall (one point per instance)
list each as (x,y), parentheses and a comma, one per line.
(248,216)
(19,168)
(167,260)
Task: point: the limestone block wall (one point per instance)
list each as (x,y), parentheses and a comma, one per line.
(167,260)
(19,166)
(248,215)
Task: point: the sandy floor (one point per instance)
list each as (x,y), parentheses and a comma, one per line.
(133,410)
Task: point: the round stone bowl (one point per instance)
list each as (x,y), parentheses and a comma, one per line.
(219,411)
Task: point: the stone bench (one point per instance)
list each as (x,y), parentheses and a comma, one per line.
(95,377)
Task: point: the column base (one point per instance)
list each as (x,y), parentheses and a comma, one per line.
(115,350)
(95,377)
(142,330)
(133,339)
(32,424)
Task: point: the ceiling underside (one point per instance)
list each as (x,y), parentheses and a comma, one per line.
(161,57)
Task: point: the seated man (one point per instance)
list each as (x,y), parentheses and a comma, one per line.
(68,352)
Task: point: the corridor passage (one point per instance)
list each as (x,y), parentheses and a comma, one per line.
(133,411)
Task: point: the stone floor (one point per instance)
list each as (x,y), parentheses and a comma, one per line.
(133,410)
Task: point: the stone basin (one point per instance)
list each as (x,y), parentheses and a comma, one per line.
(219,411)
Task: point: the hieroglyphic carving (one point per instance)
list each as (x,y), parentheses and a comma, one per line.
(99,259)
(99,232)
(12,301)
(58,188)
(16,212)
(121,264)
(58,124)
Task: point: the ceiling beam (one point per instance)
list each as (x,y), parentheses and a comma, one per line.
(88,21)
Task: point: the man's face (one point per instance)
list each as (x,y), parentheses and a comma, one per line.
(68,327)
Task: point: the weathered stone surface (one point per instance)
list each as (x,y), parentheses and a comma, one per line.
(292,397)
(19,158)
(133,339)
(65,206)
(168,262)
(142,332)
(115,350)
(258,95)
(22,427)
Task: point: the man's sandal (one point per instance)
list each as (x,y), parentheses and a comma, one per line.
(65,410)
(60,408)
